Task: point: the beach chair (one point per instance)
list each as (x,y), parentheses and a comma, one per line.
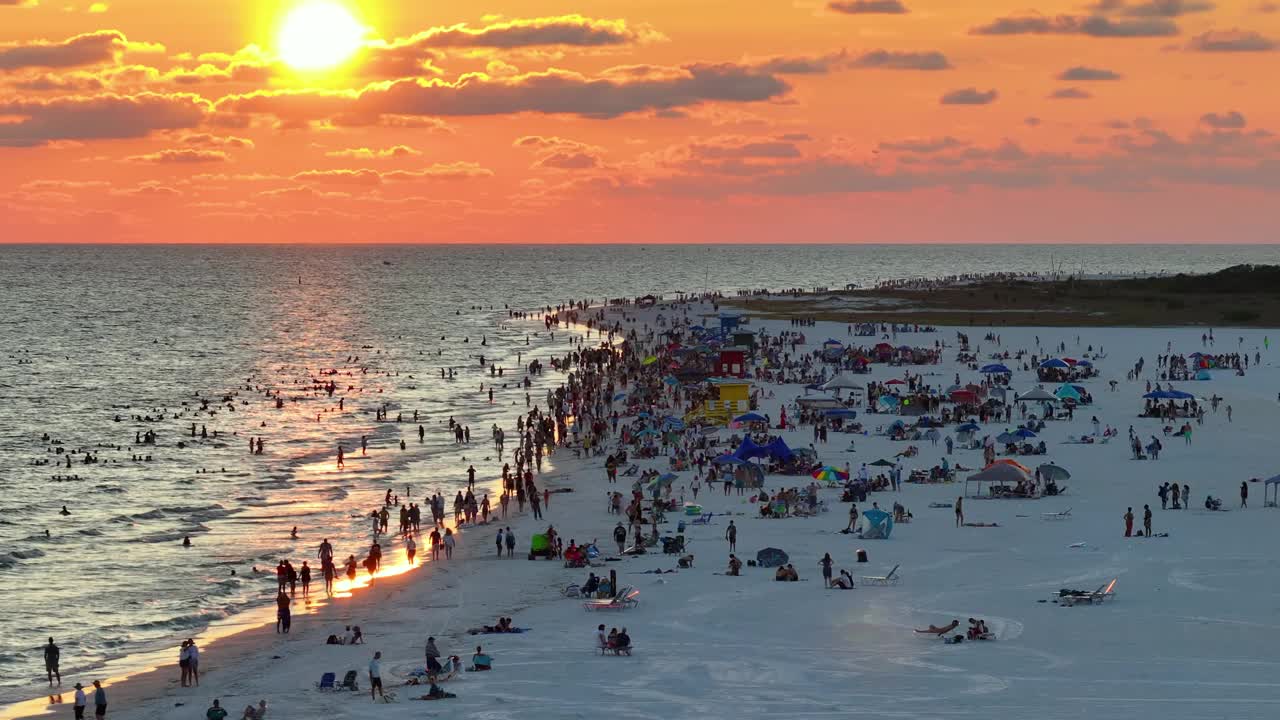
(1069,598)
(611,650)
(327,682)
(1064,515)
(626,598)
(572,591)
(890,578)
(349,681)
(703,519)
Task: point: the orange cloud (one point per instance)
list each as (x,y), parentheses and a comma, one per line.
(397,151)
(183,156)
(368,177)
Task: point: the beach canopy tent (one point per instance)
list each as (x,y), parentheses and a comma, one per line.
(964,396)
(750,449)
(875,524)
(771,557)
(841,382)
(1273,487)
(841,413)
(779,451)
(728,459)
(882,463)
(1055,363)
(995,474)
(750,417)
(819,402)
(1067,392)
(1038,394)
(994,369)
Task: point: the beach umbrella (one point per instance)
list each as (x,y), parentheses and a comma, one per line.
(1054,473)
(1180,395)
(750,417)
(964,396)
(619,396)
(728,459)
(1007,438)
(671,380)
(1157,395)
(650,360)
(830,474)
(1084,363)
(1024,433)
(1054,363)
(954,388)
(643,415)
(1069,361)
(771,557)
(994,369)
(882,463)
(1038,394)
(896,381)
(969,427)
(889,400)
(647,432)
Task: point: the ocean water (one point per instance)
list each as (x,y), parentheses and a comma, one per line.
(94,337)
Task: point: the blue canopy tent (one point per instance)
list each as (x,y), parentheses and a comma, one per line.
(1055,363)
(1067,392)
(994,369)
(750,417)
(750,449)
(728,459)
(779,451)
(875,524)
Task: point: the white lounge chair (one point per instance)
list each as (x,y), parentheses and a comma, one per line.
(626,598)
(1097,597)
(1064,515)
(890,578)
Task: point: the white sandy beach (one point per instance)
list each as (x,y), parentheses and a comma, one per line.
(1190,634)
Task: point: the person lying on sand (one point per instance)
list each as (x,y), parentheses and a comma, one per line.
(940,631)
(436,693)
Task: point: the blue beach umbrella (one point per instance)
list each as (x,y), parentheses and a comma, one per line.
(1054,363)
(1024,433)
(993,369)
(750,417)
(968,427)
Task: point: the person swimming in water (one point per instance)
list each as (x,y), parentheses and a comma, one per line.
(64,511)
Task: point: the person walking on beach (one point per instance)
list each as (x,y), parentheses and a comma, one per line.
(81,701)
(341,455)
(1244,503)
(1146,520)
(620,537)
(826,562)
(99,700)
(410,549)
(52,658)
(959,511)
(448,543)
(536,504)
(731,534)
(498,542)
(184,664)
(1128,522)
(375,677)
(511,543)
(305,574)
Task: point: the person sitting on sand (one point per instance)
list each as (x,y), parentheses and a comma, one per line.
(735,565)
(940,631)
(622,642)
(480,662)
(780,575)
(792,575)
(357,637)
(435,692)
(844,582)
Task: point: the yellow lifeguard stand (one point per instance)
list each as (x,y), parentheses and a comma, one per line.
(730,397)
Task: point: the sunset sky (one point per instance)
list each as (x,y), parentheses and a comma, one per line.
(639,121)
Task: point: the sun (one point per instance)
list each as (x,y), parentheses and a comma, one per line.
(319,35)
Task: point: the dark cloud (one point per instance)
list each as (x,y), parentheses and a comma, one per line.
(75,117)
(742,150)
(101,46)
(868,7)
(1235,40)
(182,156)
(1070,93)
(844,60)
(1153,8)
(1091,25)
(922,145)
(1081,73)
(1232,120)
(573,30)
(969,96)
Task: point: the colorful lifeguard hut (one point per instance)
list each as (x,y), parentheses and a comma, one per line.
(729,398)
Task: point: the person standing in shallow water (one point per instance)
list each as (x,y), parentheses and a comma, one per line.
(52,658)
